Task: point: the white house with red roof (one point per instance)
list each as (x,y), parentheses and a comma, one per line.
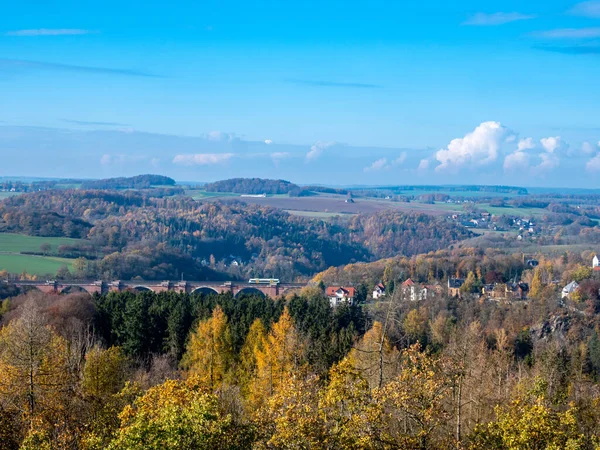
(341,294)
(379,291)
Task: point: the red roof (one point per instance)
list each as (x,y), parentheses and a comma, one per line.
(408,282)
(597,269)
(349,292)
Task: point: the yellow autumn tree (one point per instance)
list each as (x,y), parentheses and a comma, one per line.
(374,356)
(247,369)
(347,407)
(209,350)
(531,422)
(277,359)
(34,376)
(179,415)
(417,398)
(104,376)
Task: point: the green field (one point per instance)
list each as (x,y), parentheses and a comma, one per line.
(18,243)
(454,194)
(8,194)
(38,265)
(521,212)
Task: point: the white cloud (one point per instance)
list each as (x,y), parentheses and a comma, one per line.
(221,136)
(202,159)
(516,160)
(593,165)
(155,162)
(49,32)
(423,165)
(317,149)
(586,9)
(383,164)
(268,141)
(108,160)
(378,165)
(499,18)
(400,159)
(525,144)
(549,162)
(278,156)
(588,148)
(477,148)
(569,33)
(552,144)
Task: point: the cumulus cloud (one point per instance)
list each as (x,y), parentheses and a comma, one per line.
(380,164)
(112,160)
(499,18)
(516,160)
(202,159)
(423,165)
(317,149)
(552,144)
(593,165)
(525,144)
(105,160)
(384,164)
(587,148)
(221,136)
(48,32)
(400,159)
(268,141)
(477,148)
(549,162)
(586,9)
(277,157)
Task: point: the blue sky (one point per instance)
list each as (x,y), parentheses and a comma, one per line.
(378,92)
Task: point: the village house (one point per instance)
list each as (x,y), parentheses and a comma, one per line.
(410,291)
(416,292)
(570,289)
(454,285)
(595,262)
(340,294)
(506,291)
(379,291)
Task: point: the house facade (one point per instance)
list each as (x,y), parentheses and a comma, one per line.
(595,262)
(454,285)
(340,294)
(570,289)
(379,291)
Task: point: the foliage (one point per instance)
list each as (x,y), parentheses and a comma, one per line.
(252,186)
(176,415)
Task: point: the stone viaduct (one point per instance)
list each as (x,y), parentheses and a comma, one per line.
(190,287)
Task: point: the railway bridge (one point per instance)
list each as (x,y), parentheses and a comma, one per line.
(237,288)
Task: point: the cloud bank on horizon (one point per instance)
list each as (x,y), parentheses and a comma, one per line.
(491,153)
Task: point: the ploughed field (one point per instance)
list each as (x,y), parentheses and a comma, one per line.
(331,205)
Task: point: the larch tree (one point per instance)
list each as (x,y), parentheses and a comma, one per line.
(280,358)
(255,344)
(374,356)
(209,353)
